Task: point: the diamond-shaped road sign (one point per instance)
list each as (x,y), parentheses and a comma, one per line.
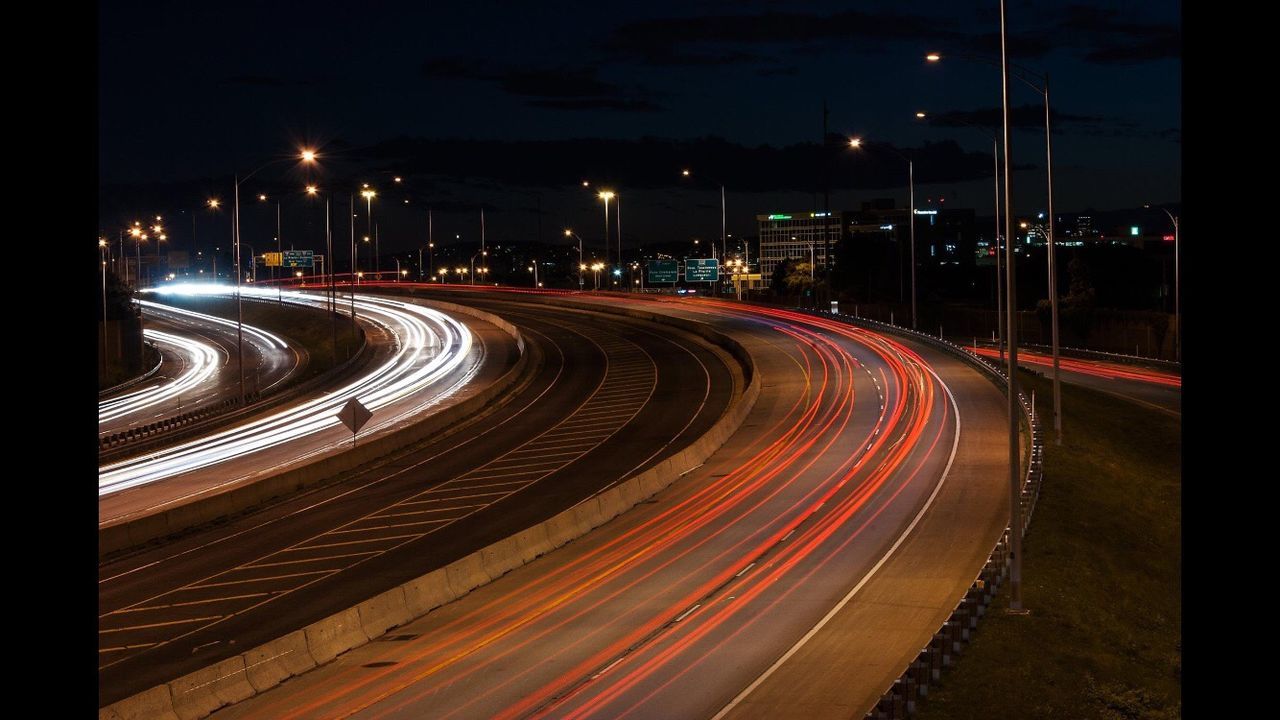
(354,415)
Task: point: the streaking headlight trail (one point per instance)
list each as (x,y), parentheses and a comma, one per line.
(202,363)
(429,347)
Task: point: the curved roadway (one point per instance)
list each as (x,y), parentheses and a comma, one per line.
(196,367)
(611,398)
(806,561)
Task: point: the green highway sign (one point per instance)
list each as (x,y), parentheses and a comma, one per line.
(663,271)
(701,269)
(299,258)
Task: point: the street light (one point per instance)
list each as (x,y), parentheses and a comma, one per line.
(724,249)
(856,143)
(606,195)
(581,267)
(305,155)
(995,158)
(368,194)
(1042,88)
(1177,296)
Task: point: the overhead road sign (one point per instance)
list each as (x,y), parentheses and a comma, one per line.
(299,258)
(664,271)
(701,269)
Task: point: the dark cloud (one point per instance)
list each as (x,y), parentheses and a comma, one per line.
(1031,117)
(1108,36)
(561,88)
(788,70)
(1153,48)
(668,41)
(654,163)
(259,81)
(619,104)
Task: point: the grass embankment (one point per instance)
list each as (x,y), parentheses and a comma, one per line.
(1101,576)
(304,327)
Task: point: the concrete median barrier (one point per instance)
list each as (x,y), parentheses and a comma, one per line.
(334,635)
(153,704)
(467,573)
(425,593)
(271,664)
(200,693)
(383,612)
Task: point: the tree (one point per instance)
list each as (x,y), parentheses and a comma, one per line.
(780,273)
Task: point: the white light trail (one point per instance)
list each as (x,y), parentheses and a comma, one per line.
(202,363)
(429,347)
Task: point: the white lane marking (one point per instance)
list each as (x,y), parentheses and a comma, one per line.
(686,613)
(955,445)
(160,624)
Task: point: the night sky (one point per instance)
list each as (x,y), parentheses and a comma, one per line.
(547,94)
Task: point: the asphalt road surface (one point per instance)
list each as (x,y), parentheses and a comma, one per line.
(868,482)
(612,398)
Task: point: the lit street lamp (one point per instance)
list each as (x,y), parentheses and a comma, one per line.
(1021,73)
(995,158)
(368,194)
(306,156)
(581,266)
(911,217)
(606,195)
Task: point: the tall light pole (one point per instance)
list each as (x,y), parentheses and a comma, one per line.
(1015,465)
(581,266)
(1177,292)
(369,194)
(995,158)
(724,250)
(1021,74)
(102,246)
(911,218)
(606,195)
(307,156)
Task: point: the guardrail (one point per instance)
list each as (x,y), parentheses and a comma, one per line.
(902,698)
(186,419)
(135,380)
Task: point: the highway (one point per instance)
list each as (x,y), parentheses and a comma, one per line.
(1156,389)
(424,360)
(610,398)
(866,460)
(197,367)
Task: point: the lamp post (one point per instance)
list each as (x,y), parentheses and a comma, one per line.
(1042,88)
(724,251)
(995,158)
(856,143)
(581,266)
(1177,296)
(307,156)
(606,195)
(534,269)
